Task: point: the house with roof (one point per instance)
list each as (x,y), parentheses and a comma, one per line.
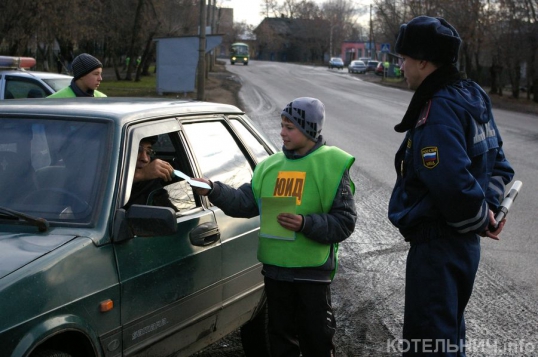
(353,50)
(292,40)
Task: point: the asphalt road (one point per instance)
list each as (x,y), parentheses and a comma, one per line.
(368,292)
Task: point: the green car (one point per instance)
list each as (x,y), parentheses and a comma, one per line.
(85,273)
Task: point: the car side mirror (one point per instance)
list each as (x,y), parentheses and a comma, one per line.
(144,221)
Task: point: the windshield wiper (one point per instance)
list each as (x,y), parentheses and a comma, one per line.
(41,223)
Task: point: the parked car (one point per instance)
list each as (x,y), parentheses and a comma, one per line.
(336,62)
(388,70)
(81,274)
(371,66)
(382,68)
(16,81)
(356,67)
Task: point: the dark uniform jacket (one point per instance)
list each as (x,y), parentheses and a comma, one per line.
(450,167)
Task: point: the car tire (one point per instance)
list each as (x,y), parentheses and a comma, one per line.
(255,335)
(50,353)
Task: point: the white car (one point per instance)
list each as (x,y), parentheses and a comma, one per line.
(16,81)
(356,67)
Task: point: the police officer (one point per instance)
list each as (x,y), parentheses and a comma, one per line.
(451,176)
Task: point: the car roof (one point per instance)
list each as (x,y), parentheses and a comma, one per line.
(35,74)
(121,110)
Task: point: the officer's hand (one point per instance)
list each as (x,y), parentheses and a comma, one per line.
(290,221)
(492,222)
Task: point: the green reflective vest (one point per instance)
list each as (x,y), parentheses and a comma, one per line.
(313,180)
(67,92)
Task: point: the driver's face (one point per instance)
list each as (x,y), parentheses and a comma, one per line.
(144,154)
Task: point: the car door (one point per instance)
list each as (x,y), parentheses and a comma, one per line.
(232,161)
(170,294)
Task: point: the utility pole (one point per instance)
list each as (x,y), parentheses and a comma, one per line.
(212,6)
(201,53)
(371,33)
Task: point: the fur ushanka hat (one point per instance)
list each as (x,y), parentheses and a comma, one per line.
(429,38)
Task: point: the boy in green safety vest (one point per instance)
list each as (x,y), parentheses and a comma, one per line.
(304,196)
(87,76)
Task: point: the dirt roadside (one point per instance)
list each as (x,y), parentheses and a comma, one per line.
(505,102)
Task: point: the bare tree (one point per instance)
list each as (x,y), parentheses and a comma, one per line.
(269,8)
(340,15)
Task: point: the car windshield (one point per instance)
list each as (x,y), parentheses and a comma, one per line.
(240,50)
(53,169)
(57,83)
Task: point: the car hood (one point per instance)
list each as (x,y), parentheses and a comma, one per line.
(17,250)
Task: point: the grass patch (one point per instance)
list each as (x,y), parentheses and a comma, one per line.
(146,87)
(220,86)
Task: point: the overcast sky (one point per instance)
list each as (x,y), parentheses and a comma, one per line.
(249,10)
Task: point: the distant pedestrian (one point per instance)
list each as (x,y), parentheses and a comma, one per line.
(451,176)
(87,76)
(59,63)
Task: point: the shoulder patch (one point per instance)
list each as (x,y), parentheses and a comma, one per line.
(430,156)
(423,117)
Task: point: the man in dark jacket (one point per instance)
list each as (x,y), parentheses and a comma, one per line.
(451,177)
(150,177)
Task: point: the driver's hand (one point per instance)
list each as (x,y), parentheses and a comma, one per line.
(155,169)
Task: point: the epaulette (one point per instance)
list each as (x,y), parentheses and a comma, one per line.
(423,117)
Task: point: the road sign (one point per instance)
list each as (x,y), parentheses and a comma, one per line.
(385,47)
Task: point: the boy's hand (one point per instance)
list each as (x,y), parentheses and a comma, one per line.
(293,222)
(199,190)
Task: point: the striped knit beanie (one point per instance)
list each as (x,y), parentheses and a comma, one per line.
(308,114)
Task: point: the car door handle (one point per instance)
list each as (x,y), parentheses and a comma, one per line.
(205,234)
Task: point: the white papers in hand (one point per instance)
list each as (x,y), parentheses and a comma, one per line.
(191,181)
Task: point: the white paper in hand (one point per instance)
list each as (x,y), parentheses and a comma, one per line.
(191,181)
